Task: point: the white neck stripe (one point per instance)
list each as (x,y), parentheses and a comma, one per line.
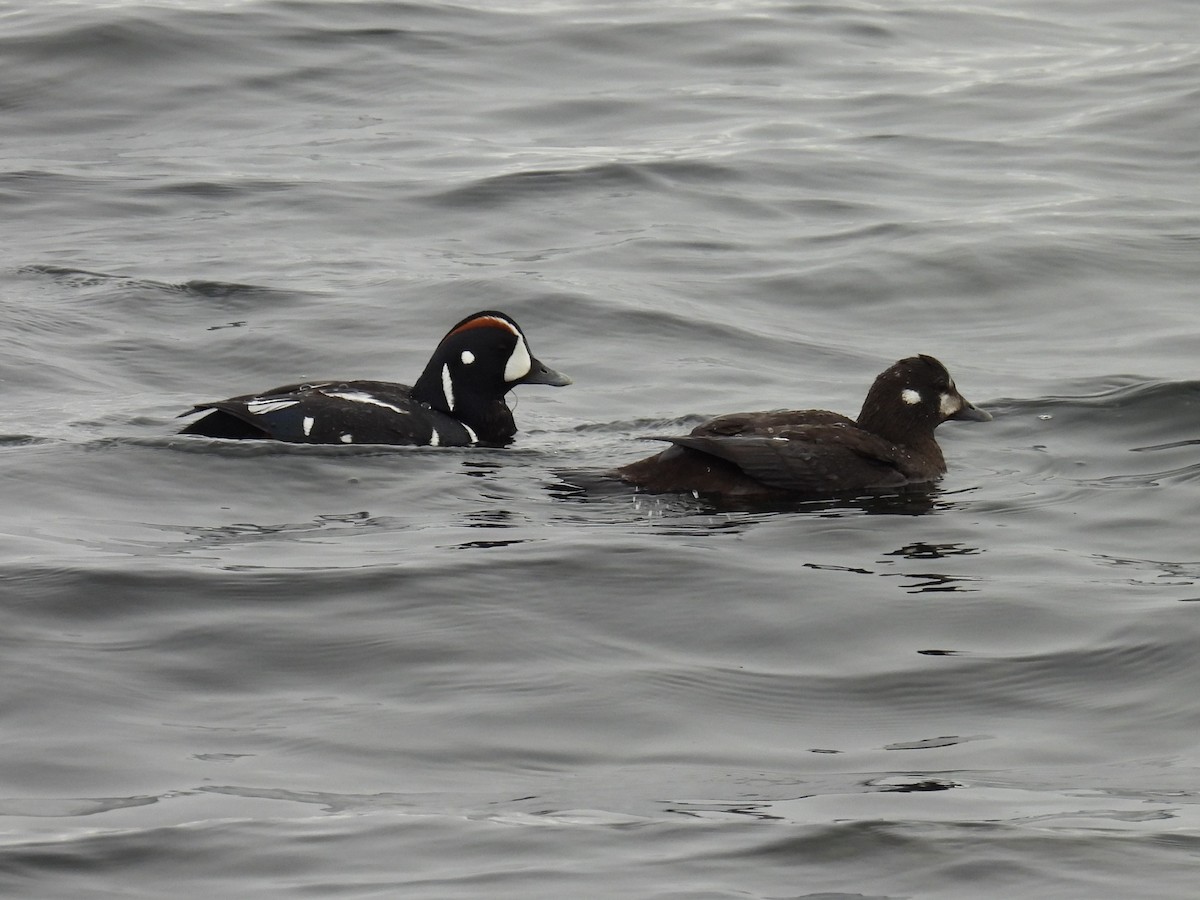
(448,387)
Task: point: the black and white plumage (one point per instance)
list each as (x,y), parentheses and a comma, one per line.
(457,402)
(812,452)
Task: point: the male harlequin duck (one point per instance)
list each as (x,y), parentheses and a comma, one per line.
(812,452)
(457,402)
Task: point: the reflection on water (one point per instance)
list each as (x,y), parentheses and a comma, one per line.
(711,809)
(1170,445)
(476,469)
(948,740)
(921,581)
(1165,572)
(931,582)
(906,785)
(486,545)
(596,486)
(490,518)
(212,536)
(923,550)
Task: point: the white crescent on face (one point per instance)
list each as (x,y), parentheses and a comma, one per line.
(519,362)
(948,405)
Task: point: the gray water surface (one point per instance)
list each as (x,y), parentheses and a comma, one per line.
(254,670)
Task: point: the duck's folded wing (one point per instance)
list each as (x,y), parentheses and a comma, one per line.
(814,461)
(249,415)
(327,413)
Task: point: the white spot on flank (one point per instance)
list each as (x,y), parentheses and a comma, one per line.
(448,387)
(519,362)
(911,397)
(347,439)
(949,404)
(364,397)
(434,438)
(308,424)
(468,357)
(262,407)
(471,432)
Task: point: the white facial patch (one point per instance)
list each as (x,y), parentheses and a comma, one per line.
(911,397)
(467,357)
(448,387)
(948,405)
(519,362)
(262,407)
(364,397)
(308,424)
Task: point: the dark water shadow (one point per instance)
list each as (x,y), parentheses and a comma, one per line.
(21,440)
(199,288)
(241,449)
(595,486)
(914,580)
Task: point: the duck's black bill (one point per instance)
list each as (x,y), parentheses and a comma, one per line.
(971,413)
(540,373)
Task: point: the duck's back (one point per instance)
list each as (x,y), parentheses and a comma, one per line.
(814,452)
(767,423)
(332,412)
(802,452)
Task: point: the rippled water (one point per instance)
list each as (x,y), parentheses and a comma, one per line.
(260,670)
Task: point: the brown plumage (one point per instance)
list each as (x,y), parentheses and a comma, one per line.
(814,452)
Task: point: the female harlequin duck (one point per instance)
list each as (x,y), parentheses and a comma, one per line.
(457,402)
(813,452)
